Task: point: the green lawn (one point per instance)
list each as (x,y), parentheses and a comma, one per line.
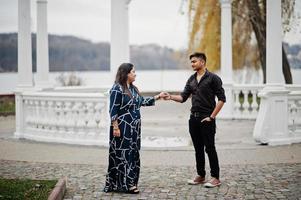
(7,105)
(25,189)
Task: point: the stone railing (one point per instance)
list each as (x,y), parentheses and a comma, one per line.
(79,115)
(245,101)
(63,116)
(294,113)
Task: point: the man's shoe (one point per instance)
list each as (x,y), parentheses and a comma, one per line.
(197,180)
(213,183)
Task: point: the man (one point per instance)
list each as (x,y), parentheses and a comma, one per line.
(203,86)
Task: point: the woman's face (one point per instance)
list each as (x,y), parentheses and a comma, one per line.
(131,76)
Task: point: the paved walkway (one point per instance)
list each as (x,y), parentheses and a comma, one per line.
(248,170)
(272,181)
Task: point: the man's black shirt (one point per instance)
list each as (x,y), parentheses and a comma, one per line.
(203,92)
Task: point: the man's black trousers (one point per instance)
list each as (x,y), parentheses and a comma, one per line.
(202,135)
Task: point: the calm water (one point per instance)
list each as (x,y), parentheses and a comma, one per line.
(147,81)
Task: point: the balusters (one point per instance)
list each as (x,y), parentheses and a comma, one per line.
(245,103)
(298,113)
(292,112)
(81,123)
(97,116)
(59,117)
(66,119)
(90,121)
(236,103)
(42,114)
(51,118)
(254,104)
(37,118)
(242,107)
(33,114)
(75,114)
(294,116)
(28,111)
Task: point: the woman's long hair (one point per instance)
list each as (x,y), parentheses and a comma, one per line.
(122,76)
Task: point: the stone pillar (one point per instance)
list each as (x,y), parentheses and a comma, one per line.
(271,125)
(226,57)
(119,35)
(274,43)
(24,46)
(42,76)
(24,63)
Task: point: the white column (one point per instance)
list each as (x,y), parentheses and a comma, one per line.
(226,57)
(42,76)
(24,46)
(226,41)
(274,43)
(272,124)
(24,63)
(119,34)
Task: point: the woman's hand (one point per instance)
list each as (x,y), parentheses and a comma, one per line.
(162,95)
(116,132)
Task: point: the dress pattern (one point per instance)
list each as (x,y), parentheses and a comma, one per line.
(124,158)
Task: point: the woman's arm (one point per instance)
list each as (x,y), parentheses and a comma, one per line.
(115,103)
(150,101)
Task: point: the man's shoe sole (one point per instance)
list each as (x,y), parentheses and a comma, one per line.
(212,186)
(194,183)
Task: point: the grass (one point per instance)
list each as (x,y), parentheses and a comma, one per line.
(25,189)
(7,105)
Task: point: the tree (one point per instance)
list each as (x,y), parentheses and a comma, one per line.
(257,16)
(248,21)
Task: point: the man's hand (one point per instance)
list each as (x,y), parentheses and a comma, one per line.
(162,95)
(167,96)
(206,119)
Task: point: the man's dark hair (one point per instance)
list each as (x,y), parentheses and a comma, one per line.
(198,55)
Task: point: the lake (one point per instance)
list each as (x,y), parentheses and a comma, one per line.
(146,80)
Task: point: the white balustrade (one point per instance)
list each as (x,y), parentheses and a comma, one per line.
(79,115)
(65,117)
(294,114)
(245,101)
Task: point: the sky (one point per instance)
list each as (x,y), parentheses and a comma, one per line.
(150,21)
(163,22)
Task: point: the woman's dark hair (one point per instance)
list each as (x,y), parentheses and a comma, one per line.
(122,76)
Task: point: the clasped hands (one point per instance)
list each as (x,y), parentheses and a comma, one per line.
(164,96)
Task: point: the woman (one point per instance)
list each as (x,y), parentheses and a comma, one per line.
(125,132)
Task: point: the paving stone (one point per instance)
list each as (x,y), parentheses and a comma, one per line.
(87,181)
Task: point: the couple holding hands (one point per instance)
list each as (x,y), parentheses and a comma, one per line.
(125,131)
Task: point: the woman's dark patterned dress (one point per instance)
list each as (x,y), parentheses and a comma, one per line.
(124,159)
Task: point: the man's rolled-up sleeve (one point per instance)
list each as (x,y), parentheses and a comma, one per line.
(218,89)
(187,91)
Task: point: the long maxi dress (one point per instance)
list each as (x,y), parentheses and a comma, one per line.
(124,158)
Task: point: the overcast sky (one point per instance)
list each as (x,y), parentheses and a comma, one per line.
(151,21)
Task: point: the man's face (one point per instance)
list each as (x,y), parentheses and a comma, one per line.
(197,63)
